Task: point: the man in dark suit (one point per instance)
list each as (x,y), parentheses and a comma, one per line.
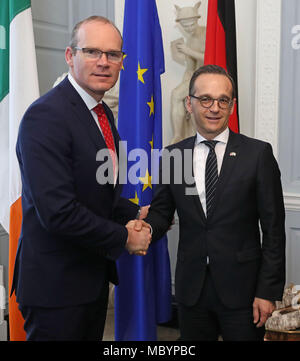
(74,227)
(227,275)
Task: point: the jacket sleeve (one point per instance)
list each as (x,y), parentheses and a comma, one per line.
(271,211)
(125,211)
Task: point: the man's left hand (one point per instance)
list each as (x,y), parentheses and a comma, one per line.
(262,310)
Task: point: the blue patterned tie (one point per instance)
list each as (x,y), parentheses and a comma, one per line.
(211,174)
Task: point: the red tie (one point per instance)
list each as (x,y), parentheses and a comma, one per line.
(106,131)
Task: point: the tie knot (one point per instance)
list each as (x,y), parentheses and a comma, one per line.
(99,109)
(210,143)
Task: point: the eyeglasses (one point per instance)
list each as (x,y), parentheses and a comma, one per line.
(207,102)
(112,56)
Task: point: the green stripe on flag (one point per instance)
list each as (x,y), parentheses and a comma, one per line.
(9,9)
(17,6)
(4,49)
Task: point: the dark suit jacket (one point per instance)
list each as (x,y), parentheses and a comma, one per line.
(243,264)
(69,237)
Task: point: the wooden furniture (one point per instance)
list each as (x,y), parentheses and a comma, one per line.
(272,335)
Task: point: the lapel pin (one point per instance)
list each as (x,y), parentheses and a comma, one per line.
(232,154)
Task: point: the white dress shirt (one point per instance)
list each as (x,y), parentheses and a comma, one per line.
(90,102)
(200,155)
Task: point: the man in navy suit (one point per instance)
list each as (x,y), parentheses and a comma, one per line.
(227,275)
(74,227)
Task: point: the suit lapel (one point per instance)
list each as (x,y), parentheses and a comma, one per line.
(83,114)
(229,161)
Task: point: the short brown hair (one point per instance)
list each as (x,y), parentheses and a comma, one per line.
(211,69)
(101,19)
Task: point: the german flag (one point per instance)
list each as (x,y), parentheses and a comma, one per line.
(220,48)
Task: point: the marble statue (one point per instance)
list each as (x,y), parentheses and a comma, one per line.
(286,317)
(188,52)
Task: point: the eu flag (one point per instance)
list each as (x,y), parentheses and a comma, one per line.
(143,297)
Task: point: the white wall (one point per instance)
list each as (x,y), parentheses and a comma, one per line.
(246,56)
(289,131)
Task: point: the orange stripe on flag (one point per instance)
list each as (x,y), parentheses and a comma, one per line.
(16,321)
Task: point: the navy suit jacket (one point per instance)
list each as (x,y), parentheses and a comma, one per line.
(244,263)
(73,228)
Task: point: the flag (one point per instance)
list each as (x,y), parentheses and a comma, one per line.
(143,297)
(220,48)
(18,89)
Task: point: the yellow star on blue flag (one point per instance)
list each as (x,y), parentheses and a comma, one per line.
(146,181)
(140,73)
(151,106)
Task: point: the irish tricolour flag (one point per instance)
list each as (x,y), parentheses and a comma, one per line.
(18,89)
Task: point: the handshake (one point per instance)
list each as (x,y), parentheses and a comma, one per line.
(139,235)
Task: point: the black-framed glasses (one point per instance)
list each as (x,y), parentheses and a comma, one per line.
(113,56)
(207,102)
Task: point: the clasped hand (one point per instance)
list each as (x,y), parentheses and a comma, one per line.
(139,237)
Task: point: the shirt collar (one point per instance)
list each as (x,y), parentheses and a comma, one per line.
(87,98)
(222,137)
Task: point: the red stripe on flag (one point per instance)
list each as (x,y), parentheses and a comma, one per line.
(215,46)
(215,49)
